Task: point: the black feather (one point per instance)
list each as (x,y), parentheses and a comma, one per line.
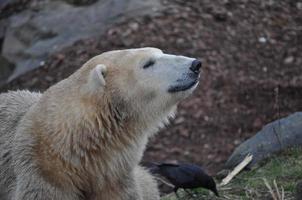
(186,176)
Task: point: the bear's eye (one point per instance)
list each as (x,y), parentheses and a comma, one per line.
(149,64)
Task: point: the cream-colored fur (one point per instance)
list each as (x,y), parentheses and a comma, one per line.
(85,136)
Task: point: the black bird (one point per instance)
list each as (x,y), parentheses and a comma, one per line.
(186,176)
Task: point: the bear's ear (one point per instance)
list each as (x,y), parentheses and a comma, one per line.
(97,76)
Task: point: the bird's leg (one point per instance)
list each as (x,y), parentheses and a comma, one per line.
(175,191)
(190,193)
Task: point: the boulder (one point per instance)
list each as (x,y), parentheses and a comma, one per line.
(49,26)
(273,138)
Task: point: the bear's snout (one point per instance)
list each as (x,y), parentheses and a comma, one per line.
(195,66)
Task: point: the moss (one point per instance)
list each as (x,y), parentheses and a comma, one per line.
(284,168)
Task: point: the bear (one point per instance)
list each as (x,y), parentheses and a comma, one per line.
(84,137)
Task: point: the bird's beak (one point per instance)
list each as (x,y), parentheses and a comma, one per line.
(215,192)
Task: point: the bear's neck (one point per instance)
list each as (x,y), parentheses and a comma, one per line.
(89,136)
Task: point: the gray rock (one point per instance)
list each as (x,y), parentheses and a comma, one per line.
(273,138)
(36,33)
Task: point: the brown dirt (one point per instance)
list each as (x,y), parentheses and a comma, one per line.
(252,52)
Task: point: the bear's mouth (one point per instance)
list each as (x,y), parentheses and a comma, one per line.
(183,87)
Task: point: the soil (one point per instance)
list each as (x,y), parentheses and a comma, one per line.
(252,71)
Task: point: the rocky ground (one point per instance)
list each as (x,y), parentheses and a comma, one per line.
(252,53)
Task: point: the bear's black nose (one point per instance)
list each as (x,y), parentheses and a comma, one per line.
(196,65)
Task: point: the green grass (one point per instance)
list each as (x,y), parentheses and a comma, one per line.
(284,168)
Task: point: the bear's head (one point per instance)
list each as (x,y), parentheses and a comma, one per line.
(115,101)
(144,81)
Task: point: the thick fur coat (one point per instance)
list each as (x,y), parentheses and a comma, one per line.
(85,136)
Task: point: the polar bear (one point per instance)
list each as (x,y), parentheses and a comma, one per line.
(84,137)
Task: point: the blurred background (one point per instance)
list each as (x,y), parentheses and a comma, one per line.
(251,49)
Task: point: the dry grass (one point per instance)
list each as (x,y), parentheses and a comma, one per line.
(276,180)
(275,192)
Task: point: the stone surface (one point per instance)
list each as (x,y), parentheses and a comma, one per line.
(273,138)
(36,33)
